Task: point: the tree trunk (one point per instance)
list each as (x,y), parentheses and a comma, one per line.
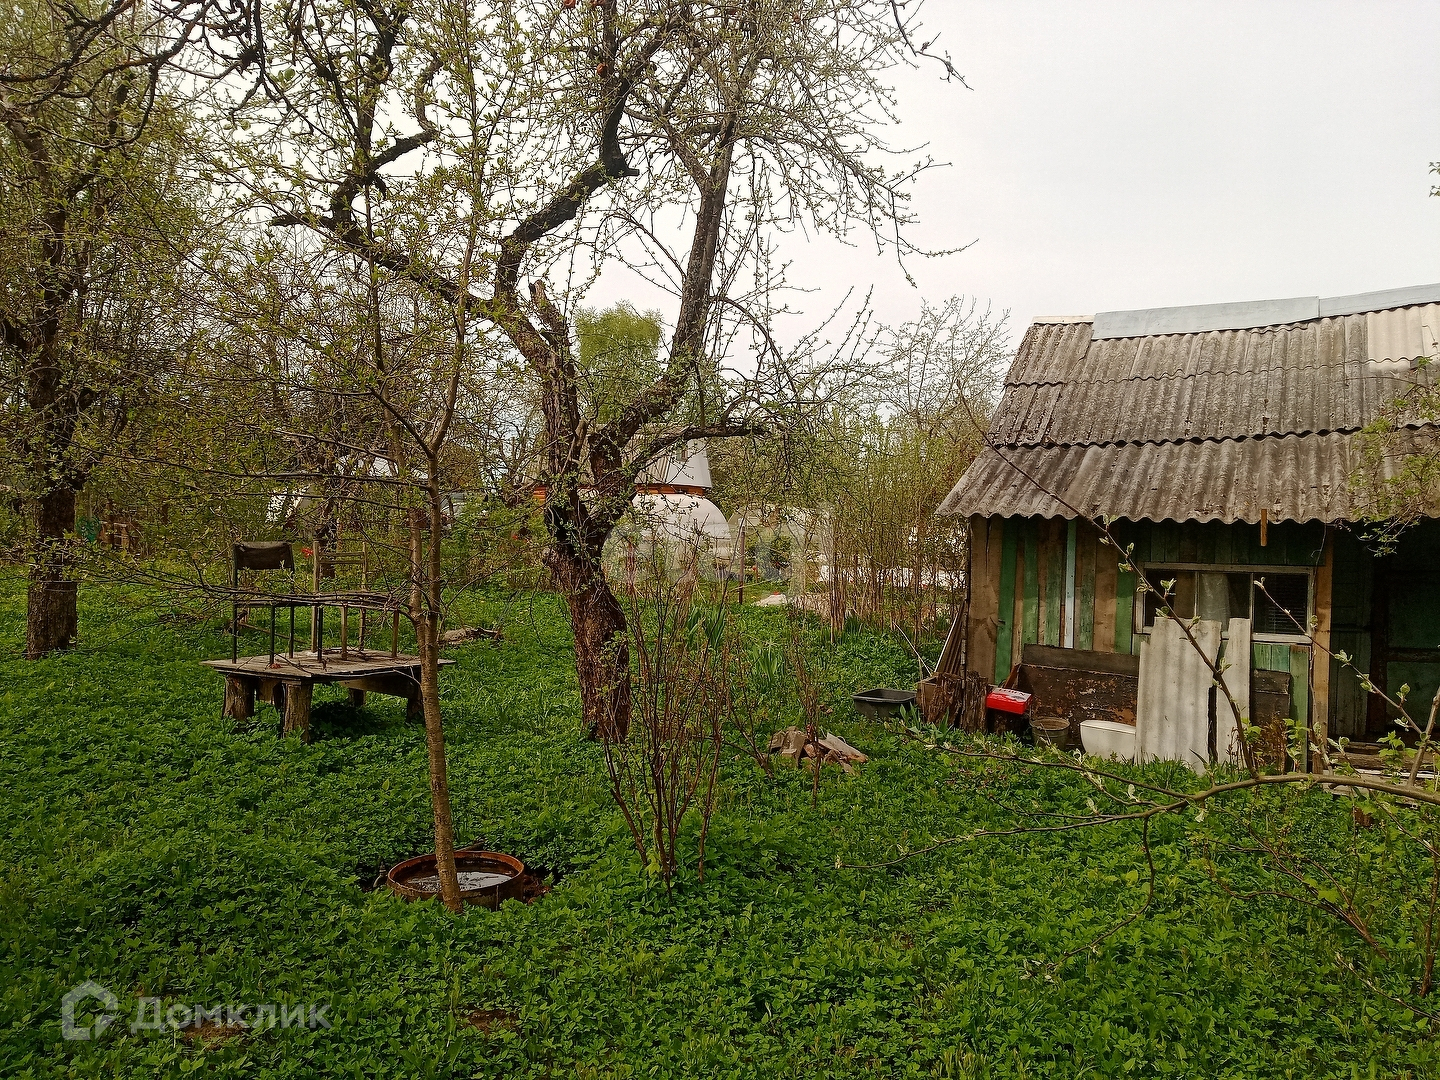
(602,658)
(50,614)
(427,635)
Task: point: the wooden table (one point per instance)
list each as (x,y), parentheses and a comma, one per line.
(287,682)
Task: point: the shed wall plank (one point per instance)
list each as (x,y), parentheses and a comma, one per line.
(1052,558)
(1085,586)
(984,627)
(1124,610)
(1299,657)
(1030,627)
(1004,551)
(1067,616)
(1106,567)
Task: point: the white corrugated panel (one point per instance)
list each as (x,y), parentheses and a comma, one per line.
(1404,334)
(1236,678)
(1172,709)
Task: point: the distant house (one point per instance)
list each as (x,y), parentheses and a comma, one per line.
(1223,439)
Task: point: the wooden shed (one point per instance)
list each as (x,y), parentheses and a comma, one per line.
(1224,445)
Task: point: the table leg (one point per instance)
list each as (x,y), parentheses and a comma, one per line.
(239,697)
(297,710)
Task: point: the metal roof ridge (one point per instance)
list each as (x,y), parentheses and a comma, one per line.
(1254,314)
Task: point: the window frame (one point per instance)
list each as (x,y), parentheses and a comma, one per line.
(1137,610)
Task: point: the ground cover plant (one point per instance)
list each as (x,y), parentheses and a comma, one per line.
(157,848)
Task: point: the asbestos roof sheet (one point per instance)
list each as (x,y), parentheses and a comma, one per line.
(1321,376)
(1294,478)
(1208,423)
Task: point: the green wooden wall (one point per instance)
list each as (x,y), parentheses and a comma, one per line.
(1032,587)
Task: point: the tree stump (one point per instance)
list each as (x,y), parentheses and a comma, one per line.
(239,697)
(414,706)
(297,709)
(357,698)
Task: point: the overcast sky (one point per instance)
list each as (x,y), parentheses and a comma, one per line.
(1129,155)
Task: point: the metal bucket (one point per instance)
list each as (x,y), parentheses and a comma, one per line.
(486,877)
(1051,731)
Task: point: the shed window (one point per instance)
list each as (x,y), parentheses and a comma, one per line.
(1222,595)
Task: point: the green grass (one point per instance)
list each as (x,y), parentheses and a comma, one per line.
(150,845)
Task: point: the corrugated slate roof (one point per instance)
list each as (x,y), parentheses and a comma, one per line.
(1208,425)
(1296,478)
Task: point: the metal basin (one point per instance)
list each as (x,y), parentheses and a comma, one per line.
(486,877)
(880,703)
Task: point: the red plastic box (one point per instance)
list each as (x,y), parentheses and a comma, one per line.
(1011,701)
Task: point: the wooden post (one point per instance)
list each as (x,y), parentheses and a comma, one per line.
(315,591)
(364,585)
(344,631)
(239,697)
(234,605)
(395,633)
(357,698)
(297,709)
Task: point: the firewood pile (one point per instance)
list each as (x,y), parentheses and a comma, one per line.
(793,747)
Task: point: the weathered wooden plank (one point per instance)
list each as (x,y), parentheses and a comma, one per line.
(984,612)
(1017,614)
(1042,572)
(1271,656)
(1072,553)
(1052,558)
(1137,535)
(1188,541)
(1206,534)
(1054,656)
(1224,544)
(1030,628)
(1085,577)
(1165,542)
(1124,610)
(1106,567)
(1300,682)
(1005,605)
